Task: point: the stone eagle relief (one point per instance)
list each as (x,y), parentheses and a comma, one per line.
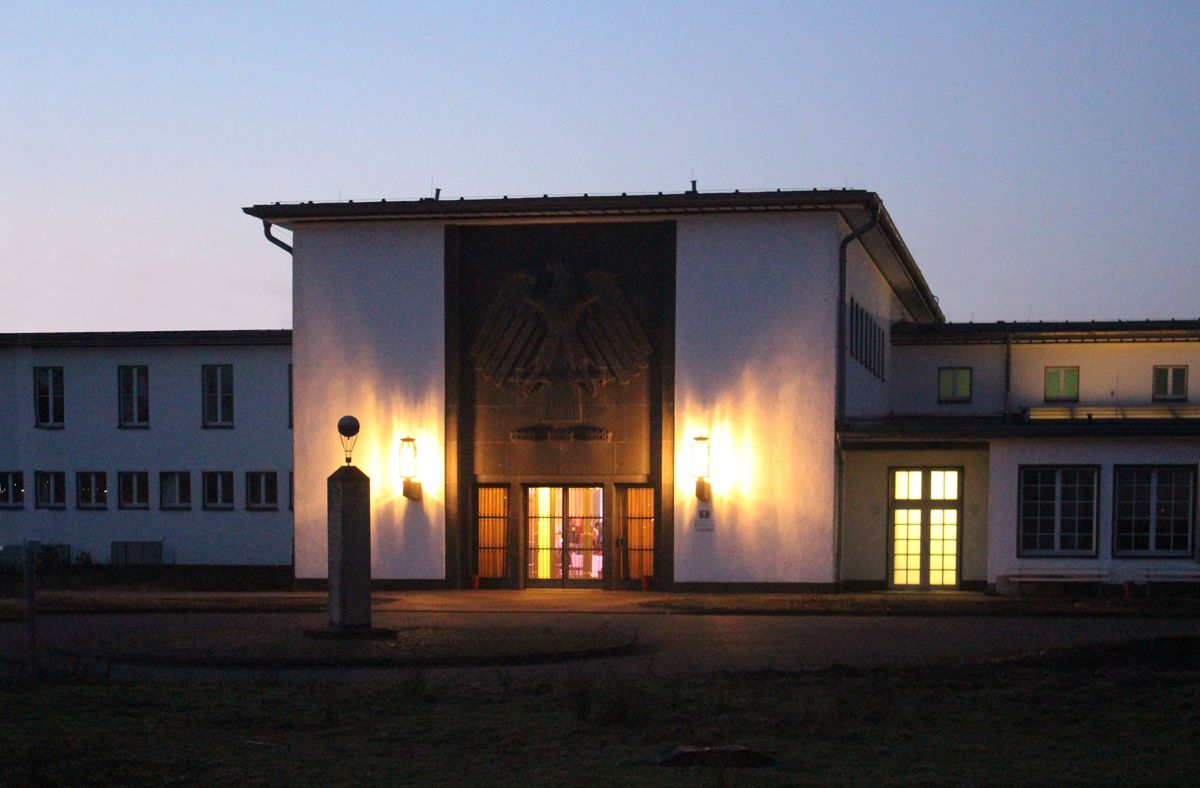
(556,336)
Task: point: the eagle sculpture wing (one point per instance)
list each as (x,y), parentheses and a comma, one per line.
(511,335)
(611,333)
(572,335)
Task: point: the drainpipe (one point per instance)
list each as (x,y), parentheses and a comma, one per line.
(1007,373)
(267,232)
(840,407)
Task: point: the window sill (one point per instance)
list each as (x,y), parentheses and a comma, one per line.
(57,507)
(218,507)
(48,426)
(1173,556)
(12,506)
(182,507)
(262,508)
(1060,555)
(228,426)
(91,507)
(954,401)
(133,426)
(133,506)
(1060,401)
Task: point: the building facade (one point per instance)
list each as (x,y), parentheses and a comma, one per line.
(717,390)
(148,447)
(682,391)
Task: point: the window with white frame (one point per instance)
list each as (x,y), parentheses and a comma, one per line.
(50,489)
(217,395)
(175,490)
(1170,383)
(218,489)
(1057,510)
(1062,384)
(48,397)
(954,384)
(91,490)
(262,490)
(1154,509)
(133,396)
(133,490)
(12,490)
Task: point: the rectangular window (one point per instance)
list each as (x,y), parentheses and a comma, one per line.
(1062,384)
(50,489)
(12,490)
(954,384)
(48,397)
(262,490)
(866,340)
(91,490)
(492,530)
(218,489)
(1154,510)
(635,534)
(133,490)
(218,395)
(133,396)
(1170,383)
(175,490)
(1057,511)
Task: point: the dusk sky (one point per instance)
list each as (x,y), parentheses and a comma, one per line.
(1042,160)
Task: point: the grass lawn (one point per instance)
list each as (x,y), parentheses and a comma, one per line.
(1099,715)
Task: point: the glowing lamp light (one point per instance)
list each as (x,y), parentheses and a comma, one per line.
(348,432)
(700,467)
(408,468)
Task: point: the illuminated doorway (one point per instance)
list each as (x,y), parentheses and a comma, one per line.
(565,535)
(925,527)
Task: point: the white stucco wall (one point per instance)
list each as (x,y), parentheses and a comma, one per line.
(914,380)
(175,441)
(368,340)
(1006,456)
(1118,373)
(755,371)
(866,394)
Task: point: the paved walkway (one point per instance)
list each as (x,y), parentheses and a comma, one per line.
(671,643)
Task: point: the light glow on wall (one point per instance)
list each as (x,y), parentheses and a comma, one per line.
(386,421)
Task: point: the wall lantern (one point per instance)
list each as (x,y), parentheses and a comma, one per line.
(348,431)
(700,463)
(408,468)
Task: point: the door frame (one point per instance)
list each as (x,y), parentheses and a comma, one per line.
(925,505)
(606,543)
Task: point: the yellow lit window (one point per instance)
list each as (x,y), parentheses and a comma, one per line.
(908,485)
(943,485)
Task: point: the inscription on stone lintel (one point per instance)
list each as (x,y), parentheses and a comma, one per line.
(543,432)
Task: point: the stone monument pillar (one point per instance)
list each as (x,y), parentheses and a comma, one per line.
(349,549)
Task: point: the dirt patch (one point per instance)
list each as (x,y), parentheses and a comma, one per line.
(1118,714)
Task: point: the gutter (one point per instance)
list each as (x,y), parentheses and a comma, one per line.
(267,232)
(874,207)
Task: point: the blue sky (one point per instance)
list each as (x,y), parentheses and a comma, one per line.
(1041,160)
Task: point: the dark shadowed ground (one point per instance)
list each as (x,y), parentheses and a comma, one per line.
(587,689)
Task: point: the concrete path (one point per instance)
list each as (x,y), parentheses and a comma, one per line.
(675,643)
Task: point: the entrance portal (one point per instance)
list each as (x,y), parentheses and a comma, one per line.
(565,535)
(924,520)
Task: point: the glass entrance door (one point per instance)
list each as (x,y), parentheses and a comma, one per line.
(924,522)
(565,534)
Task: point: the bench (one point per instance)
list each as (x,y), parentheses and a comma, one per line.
(1009,583)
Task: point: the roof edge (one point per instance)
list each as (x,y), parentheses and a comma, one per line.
(148,338)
